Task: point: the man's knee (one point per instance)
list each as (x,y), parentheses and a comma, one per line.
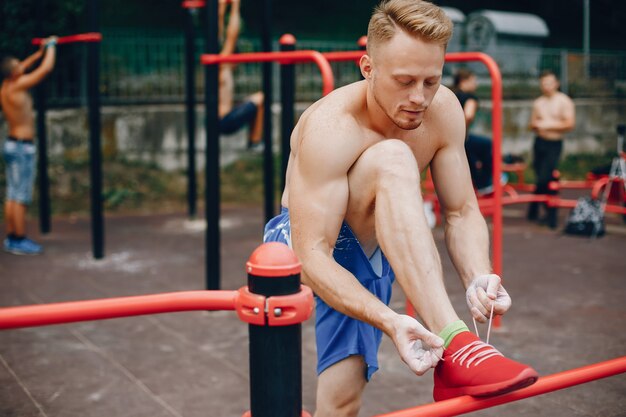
(391,158)
(340,388)
(257,98)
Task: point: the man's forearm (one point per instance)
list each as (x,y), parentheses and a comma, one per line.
(467,239)
(29,61)
(341,291)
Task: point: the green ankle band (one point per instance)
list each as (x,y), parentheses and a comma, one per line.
(451,330)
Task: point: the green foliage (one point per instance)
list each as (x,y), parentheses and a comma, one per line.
(23,20)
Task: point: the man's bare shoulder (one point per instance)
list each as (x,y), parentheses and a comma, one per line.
(336,113)
(329,130)
(445,115)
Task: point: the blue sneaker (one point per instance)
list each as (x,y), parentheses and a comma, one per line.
(22,246)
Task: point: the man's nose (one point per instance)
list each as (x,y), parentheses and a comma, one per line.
(417,96)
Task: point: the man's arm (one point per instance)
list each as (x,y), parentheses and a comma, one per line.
(466,233)
(232,30)
(469,110)
(33,78)
(28,62)
(318,200)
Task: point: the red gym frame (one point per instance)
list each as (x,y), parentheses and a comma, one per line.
(265,311)
(290,57)
(82,37)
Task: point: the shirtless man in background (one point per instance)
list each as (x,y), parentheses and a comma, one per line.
(19,147)
(250,112)
(353,213)
(552,116)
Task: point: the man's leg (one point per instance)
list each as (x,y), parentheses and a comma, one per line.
(9,217)
(339,388)
(256,131)
(386,205)
(16,218)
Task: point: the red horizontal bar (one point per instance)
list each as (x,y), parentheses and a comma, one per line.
(194,4)
(287,57)
(466,404)
(343,55)
(39,315)
(83,37)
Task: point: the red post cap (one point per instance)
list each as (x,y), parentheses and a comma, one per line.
(362,41)
(287,39)
(273,259)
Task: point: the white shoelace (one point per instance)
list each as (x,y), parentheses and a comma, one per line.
(488,326)
(475,352)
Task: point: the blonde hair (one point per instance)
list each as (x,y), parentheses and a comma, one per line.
(417,18)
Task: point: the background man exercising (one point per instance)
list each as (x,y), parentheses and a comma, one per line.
(19,147)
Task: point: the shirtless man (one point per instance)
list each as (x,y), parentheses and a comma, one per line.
(553,115)
(19,146)
(352,211)
(251,110)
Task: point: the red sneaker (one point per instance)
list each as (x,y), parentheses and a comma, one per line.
(471,367)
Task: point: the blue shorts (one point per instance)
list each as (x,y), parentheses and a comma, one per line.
(337,335)
(238,117)
(19,157)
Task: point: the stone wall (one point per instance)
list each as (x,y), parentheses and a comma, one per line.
(156,133)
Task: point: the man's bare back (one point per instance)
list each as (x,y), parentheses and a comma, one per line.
(17,106)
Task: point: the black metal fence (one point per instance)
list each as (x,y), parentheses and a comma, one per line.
(138,69)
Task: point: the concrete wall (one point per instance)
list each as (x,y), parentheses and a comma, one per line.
(156,134)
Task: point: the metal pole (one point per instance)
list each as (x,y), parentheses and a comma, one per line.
(42,159)
(95,151)
(586,36)
(268,156)
(212,154)
(190,95)
(287,100)
(275,351)
(42,144)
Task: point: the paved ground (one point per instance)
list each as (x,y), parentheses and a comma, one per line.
(569,311)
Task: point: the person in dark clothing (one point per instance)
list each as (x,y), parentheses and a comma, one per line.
(478,148)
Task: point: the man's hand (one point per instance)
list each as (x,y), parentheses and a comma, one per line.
(50,41)
(483,292)
(418,348)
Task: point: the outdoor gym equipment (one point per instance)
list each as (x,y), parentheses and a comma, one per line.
(95,153)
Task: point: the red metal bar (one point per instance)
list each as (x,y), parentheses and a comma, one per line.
(83,37)
(194,4)
(289,57)
(39,315)
(466,404)
(343,56)
(496,127)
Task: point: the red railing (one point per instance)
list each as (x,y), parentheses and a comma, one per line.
(288,57)
(73,311)
(83,37)
(466,404)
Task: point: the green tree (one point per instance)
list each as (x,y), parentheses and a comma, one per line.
(23,20)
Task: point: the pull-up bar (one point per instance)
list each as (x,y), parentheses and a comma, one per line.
(566,379)
(82,37)
(289,57)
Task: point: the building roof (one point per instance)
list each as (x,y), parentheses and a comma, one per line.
(512,23)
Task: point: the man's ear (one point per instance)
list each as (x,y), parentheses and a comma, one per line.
(365,63)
